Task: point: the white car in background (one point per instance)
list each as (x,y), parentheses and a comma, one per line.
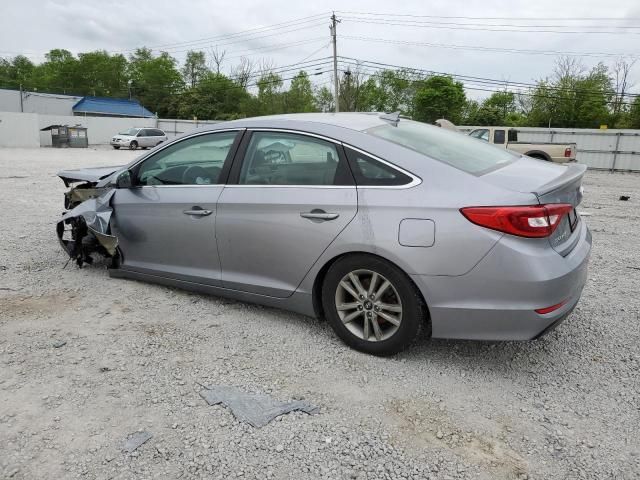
(138,137)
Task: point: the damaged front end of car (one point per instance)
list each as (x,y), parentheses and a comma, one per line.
(84,230)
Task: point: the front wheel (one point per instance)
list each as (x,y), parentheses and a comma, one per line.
(133,145)
(372,305)
(116,147)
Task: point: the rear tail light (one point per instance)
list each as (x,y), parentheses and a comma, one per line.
(535,221)
(567,152)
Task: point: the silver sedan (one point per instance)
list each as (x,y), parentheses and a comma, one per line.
(383,226)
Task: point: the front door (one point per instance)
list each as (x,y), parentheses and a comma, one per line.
(286,201)
(165,223)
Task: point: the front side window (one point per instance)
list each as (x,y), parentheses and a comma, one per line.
(481,134)
(453,148)
(132,132)
(194,161)
(370,172)
(276,158)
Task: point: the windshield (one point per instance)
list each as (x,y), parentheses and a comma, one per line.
(458,150)
(132,132)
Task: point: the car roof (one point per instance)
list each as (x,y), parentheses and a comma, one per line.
(353,120)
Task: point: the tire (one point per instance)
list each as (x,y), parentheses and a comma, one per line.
(133,145)
(387,338)
(116,147)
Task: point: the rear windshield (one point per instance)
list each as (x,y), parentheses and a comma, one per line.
(456,149)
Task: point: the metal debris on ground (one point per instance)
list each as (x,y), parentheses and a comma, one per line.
(135,440)
(59,343)
(624,198)
(256,409)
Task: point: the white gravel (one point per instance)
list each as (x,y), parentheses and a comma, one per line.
(567,406)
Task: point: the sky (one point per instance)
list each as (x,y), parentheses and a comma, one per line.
(463,38)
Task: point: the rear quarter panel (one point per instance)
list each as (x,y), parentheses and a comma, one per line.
(458,245)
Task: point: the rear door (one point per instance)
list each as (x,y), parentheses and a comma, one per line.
(289,196)
(165,223)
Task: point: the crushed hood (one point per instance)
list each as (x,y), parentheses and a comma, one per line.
(93,174)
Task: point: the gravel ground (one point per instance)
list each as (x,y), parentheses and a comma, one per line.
(566,406)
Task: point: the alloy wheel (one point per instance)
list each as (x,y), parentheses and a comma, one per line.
(368,305)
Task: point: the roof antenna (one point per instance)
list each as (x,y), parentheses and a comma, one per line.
(392,118)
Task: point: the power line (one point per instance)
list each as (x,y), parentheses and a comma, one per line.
(243,40)
(467,24)
(488,18)
(490,49)
(463,77)
(251,31)
(499,85)
(409,23)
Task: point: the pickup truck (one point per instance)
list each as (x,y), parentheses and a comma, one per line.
(508,138)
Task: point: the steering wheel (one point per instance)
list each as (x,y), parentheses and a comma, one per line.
(196,175)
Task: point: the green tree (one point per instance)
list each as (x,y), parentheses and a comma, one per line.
(573,98)
(299,97)
(16,71)
(391,91)
(270,99)
(102,74)
(155,80)
(500,108)
(439,97)
(195,67)
(216,97)
(324,99)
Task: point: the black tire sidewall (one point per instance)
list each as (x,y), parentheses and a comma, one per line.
(133,145)
(412,304)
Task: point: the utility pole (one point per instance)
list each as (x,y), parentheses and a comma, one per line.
(21,104)
(332,28)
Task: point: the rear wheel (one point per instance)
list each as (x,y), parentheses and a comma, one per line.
(133,145)
(372,305)
(116,147)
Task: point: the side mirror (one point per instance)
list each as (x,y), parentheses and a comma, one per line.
(124,180)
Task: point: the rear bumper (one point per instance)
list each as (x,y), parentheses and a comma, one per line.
(497,299)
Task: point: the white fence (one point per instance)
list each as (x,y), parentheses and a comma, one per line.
(174,127)
(598,149)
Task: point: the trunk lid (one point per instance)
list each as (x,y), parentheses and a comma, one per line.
(550,183)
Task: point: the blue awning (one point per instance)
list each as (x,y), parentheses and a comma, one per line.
(111,106)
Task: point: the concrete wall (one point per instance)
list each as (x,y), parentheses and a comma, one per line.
(99,129)
(23,129)
(19,130)
(34,102)
(599,149)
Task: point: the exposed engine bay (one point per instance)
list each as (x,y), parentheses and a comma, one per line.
(84,229)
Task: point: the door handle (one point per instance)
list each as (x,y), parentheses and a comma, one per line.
(319,215)
(198,212)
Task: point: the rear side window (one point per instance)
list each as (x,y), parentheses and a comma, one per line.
(371,172)
(453,148)
(278,158)
(498,137)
